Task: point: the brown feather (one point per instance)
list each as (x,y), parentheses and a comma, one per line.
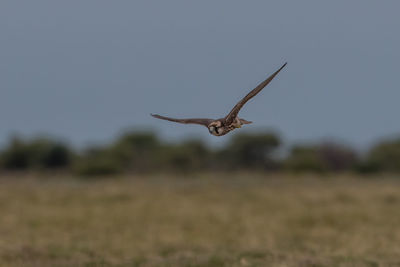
(234,112)
(201,121)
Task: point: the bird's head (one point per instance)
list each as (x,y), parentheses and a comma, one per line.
(212,130)
(215,128)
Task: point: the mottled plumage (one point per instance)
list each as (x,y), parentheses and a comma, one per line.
(224,125)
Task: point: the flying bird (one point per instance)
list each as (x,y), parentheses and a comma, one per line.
(224,125)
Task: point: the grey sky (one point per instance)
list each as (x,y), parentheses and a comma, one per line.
(85,70)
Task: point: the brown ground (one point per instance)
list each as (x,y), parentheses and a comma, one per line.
(240,220)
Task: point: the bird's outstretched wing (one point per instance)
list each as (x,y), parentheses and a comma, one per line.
(234,112)
(200,121)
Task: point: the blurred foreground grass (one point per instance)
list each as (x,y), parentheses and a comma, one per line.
(239,220)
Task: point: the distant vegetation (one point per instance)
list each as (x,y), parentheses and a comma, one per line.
(144,152)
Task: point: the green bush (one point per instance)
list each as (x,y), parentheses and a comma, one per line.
(250,150)
(16,156)
(40,153)
(304,159)
(321,158)
(97,162)
(338,157)
(190,155)
(143,151)
(137,151)
(384,157)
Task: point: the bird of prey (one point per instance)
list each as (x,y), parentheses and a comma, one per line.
(224,125)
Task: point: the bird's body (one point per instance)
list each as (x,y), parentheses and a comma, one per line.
(220,127)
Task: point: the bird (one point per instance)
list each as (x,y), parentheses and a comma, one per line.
(222,126)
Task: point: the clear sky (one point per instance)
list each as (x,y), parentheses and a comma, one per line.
(87,70)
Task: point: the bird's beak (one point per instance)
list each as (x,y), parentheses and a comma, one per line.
(239,126)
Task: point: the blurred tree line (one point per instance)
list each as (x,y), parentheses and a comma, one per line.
(144,152)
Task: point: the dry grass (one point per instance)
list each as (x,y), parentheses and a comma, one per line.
(245,220)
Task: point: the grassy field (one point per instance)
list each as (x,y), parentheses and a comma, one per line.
(239,220)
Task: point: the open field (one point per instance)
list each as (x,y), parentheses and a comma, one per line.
(244,220)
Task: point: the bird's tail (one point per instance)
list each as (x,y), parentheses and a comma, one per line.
(243,121)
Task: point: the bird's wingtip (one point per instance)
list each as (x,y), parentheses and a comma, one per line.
(281,67)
